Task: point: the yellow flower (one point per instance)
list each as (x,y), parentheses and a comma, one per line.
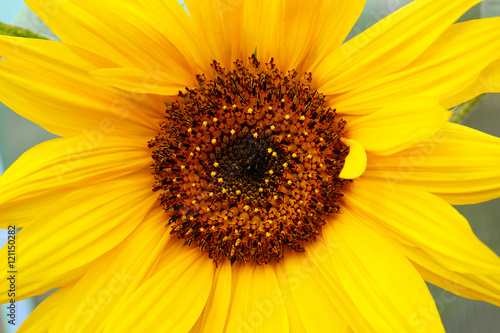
(323,209)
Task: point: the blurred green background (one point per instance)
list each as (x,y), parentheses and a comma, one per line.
(460,315)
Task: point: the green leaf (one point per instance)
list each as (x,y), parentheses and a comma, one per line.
(10,30)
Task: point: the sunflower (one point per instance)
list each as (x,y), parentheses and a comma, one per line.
(239,168)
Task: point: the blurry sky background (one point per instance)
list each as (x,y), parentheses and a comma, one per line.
(459,315)
(9,9)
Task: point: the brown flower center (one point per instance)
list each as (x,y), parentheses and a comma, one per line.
(248,163)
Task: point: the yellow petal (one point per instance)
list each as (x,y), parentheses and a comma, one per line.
(81,227)
(397,126)
(51,170)
(138,81)
(381,282)
(355,162)
(320,253)
(257,301)
(40,319)
(487,82)
(297,34)
(422,220)
(48,83)
(173,21)
(298,27)
(478,287)
(334,19)
(22,213)
(300,275)
(220,24)
(130,39)
(303,22)
(458,164)
(294,321)
(171,300)
(449,65)
(389,45)
(113,277)
(213,317)
(262,28)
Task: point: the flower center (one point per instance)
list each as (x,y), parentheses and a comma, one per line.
(248,163)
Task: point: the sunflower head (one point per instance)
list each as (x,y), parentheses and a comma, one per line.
(316,174)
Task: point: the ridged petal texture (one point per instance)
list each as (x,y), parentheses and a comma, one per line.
(93,228)
(437,165)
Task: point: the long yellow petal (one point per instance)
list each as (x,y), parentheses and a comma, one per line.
(262,28)
(214,316)
(302,25)
(138,81)
(397,126)
(449,65)
(308,290)
(11,213)
(172,20)
(458,164)
(381,282)
(35,73)
(40,319)
(487,82)
(220,24)
(335,19)
(317,264)
(257,301)
(422,220)
(391,44)
(479,287)
(129,39)
(51,170)
(86,224)
(297,34)
(171,300)
(320,253)
(113,277)
(294,321)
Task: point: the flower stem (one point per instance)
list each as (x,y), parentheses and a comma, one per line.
(11,30)
(464,109)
